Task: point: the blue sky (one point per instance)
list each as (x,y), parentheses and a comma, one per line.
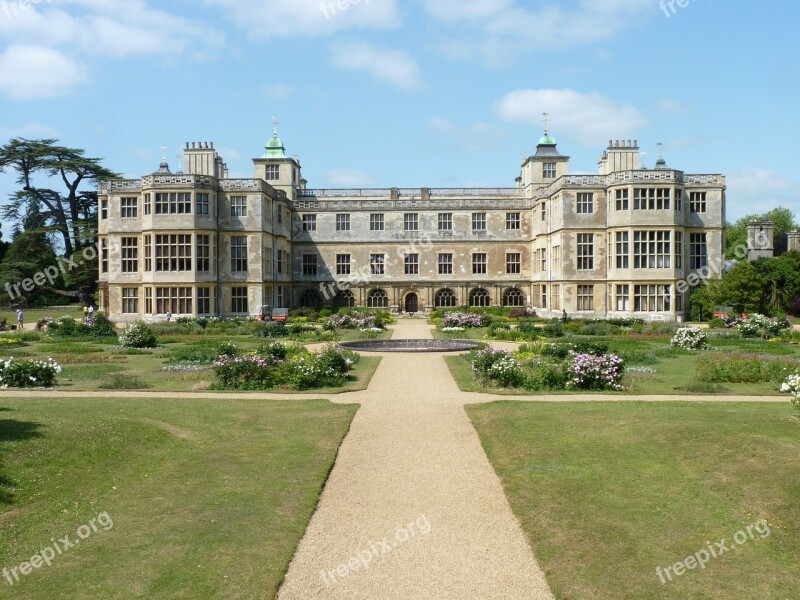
(434,93)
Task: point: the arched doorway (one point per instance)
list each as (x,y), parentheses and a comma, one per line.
(412,303)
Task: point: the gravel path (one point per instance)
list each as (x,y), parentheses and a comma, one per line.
(412,508)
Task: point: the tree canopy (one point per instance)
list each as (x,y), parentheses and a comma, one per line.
(70,213)
(54,209)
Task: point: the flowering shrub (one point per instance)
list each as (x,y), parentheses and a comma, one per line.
(452,329)
(505,372)
(758,324)
(483,359)
(690,338)
(460,319)
(355,320)
(138,335)
(497,367)
(274,349)
(792,386)
(228,349)
(731,320)
(246,372)
(28,373)
(590,372)
(95,325)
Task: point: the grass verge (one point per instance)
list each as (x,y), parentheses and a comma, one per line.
(609,492)
(208,498)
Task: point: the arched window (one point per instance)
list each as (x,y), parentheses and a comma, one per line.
(513,297)
(344,299)
(445,298)
(479,297)
(378,299)
(310,299)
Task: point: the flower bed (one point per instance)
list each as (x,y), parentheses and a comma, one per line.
(465,320)
(760,325)
(28,373)
(273,366)
(355,320)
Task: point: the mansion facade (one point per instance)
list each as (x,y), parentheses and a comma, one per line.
(617,244)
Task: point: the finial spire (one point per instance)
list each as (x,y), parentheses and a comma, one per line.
(163,153)
(274,126)
(546,121)
(661,150)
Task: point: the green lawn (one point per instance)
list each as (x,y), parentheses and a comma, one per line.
(208,498)
(609,492)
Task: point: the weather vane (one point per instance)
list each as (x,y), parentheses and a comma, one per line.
(546,121)
(275,125)
(661,149)
(163,152)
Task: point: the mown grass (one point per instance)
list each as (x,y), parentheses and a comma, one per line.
(208,498)
(609,492)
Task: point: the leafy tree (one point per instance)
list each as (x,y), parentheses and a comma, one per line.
(70,213)
(744,284)
(29,253)
(781,281)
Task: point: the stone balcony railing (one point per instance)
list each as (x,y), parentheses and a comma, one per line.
(643,176)
(189,182)
(119,185)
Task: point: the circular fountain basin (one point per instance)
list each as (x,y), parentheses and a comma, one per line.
(410,345)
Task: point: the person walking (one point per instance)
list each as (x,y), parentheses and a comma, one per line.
(20,319)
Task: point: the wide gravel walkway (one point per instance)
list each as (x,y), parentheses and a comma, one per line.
(412,508)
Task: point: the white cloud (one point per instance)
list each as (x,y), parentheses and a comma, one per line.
(395,67)
(590,118)
(72,31)
(506,27)
(34,72)
(111,28)
(288,18)
(348,179)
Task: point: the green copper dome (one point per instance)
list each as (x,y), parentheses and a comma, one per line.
(275,148)
(547,140)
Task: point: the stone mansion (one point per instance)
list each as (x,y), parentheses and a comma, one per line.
(617,244)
